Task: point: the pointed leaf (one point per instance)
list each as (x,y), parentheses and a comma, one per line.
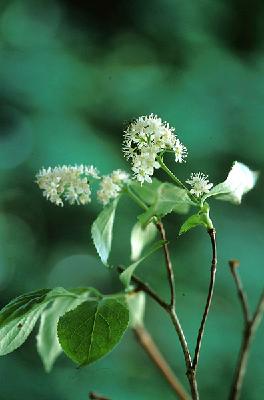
(102,230)
(126,275)
(18,318)
(15,333)
(191,222)
(19,306)
(201,218)
(91,330)
(239,181)
(141,237)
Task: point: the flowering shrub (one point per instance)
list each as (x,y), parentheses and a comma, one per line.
(86,324)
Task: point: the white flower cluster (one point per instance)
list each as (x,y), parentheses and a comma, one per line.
(67,182)
(144,139)
(111,185)
(200,184)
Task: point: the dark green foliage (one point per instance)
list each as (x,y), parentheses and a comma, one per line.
(93,329)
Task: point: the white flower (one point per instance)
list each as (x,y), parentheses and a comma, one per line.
(200,184)
(119,177)
(180,152)
(144,139)
(144,164)
(111,185)
(69,183)
(92,171)
(108,190)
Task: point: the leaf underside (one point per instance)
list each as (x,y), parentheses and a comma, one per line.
(47,340)
(102,230)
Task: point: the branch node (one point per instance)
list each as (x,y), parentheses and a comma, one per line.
(146,288)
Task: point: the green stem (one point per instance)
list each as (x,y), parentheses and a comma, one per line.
(136,199)
(168,171)
(175,179)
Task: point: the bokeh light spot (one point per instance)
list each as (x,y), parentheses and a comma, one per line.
(16,138)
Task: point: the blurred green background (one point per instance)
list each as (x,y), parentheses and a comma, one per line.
(71,73)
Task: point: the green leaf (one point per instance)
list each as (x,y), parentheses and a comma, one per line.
(172,198)
(47,341)
(201,218)
(169,198)
(193,221)
(15,333)
(239,181)
(91,330)
(19,306)
(18,318)
(126,275)
(147,192)
(102,230)
(141,237)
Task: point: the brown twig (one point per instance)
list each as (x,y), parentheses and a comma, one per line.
(212,235)
(174,317)
(147,343)
(234,264)
(170,309)
(187,355)
(146,288)
(94,396)
(145,338)
(169,268)
(250,327)
(258,315)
